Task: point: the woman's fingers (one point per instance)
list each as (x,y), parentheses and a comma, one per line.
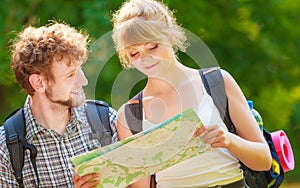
(213,135)
(199,131)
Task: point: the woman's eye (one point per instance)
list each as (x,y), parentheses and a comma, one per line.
(133,54)
(152,46)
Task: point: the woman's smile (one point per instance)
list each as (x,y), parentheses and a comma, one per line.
(151,66)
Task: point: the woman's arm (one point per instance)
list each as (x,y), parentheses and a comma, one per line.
(249,146)
(124,132)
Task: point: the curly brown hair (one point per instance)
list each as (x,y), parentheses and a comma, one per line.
(35,49)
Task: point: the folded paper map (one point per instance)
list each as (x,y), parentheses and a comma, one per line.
(145,153)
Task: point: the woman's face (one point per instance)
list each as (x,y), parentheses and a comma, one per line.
(151,58)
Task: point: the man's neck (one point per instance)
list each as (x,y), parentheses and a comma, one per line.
(50,115)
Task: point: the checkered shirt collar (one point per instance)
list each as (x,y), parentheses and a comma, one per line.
(77,119)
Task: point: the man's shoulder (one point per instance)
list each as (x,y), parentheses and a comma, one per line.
(2,138)
(96,102)
(2,133)
(101,103)
(81,111)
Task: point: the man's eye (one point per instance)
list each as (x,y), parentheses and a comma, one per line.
(70,75)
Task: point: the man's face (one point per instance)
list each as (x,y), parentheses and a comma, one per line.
(66,86)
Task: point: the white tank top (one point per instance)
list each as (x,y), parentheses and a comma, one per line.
(213,167)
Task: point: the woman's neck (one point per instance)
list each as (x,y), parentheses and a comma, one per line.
(173,79)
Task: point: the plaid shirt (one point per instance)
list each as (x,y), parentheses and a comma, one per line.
(54,150)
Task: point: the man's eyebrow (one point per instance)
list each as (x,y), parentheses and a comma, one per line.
(75,68)
(70,72)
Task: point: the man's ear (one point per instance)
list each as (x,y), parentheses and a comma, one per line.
(37,82)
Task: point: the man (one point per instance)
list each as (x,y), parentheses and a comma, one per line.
(47,64)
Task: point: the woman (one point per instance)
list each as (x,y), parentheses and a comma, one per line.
(146,37)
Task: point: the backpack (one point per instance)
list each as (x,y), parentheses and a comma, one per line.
(15,130)
(214,84)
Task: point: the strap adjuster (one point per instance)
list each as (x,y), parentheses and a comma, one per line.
(13,138)
(18,175)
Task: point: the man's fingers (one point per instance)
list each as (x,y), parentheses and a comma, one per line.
(89,180)
(76,177)
(93,183)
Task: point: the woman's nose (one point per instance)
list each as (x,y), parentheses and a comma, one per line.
(145,54)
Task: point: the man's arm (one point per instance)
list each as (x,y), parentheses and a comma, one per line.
(7,178)
(112,119)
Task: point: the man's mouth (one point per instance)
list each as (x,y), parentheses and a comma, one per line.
(76,92)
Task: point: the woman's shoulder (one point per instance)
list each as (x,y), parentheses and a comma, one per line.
(226,75)
(229,81)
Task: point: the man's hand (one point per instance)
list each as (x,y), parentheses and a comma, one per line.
(86,181)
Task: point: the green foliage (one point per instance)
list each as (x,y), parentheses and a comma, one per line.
(256,41)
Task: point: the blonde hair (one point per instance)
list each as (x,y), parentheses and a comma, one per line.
(141,21)
(35,49)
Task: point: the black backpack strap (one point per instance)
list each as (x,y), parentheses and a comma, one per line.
(15,131)
(15,143)
(33,154)
(134,113)
(98,117)
(214,84)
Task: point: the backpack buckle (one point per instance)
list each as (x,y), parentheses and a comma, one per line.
(13,138)
(18,175)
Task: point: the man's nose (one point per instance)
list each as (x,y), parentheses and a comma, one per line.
(81,79)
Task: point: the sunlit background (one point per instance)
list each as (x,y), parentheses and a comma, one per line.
(258,42)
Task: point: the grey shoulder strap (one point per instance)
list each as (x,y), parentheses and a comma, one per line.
(134,113)
(214,84)
(98,117)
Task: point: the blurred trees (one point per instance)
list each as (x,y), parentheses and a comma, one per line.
(256,41)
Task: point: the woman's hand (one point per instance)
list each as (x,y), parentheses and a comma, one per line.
(214,135)
(86,181)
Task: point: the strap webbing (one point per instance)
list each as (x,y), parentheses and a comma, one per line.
(15,130)
(214,84)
